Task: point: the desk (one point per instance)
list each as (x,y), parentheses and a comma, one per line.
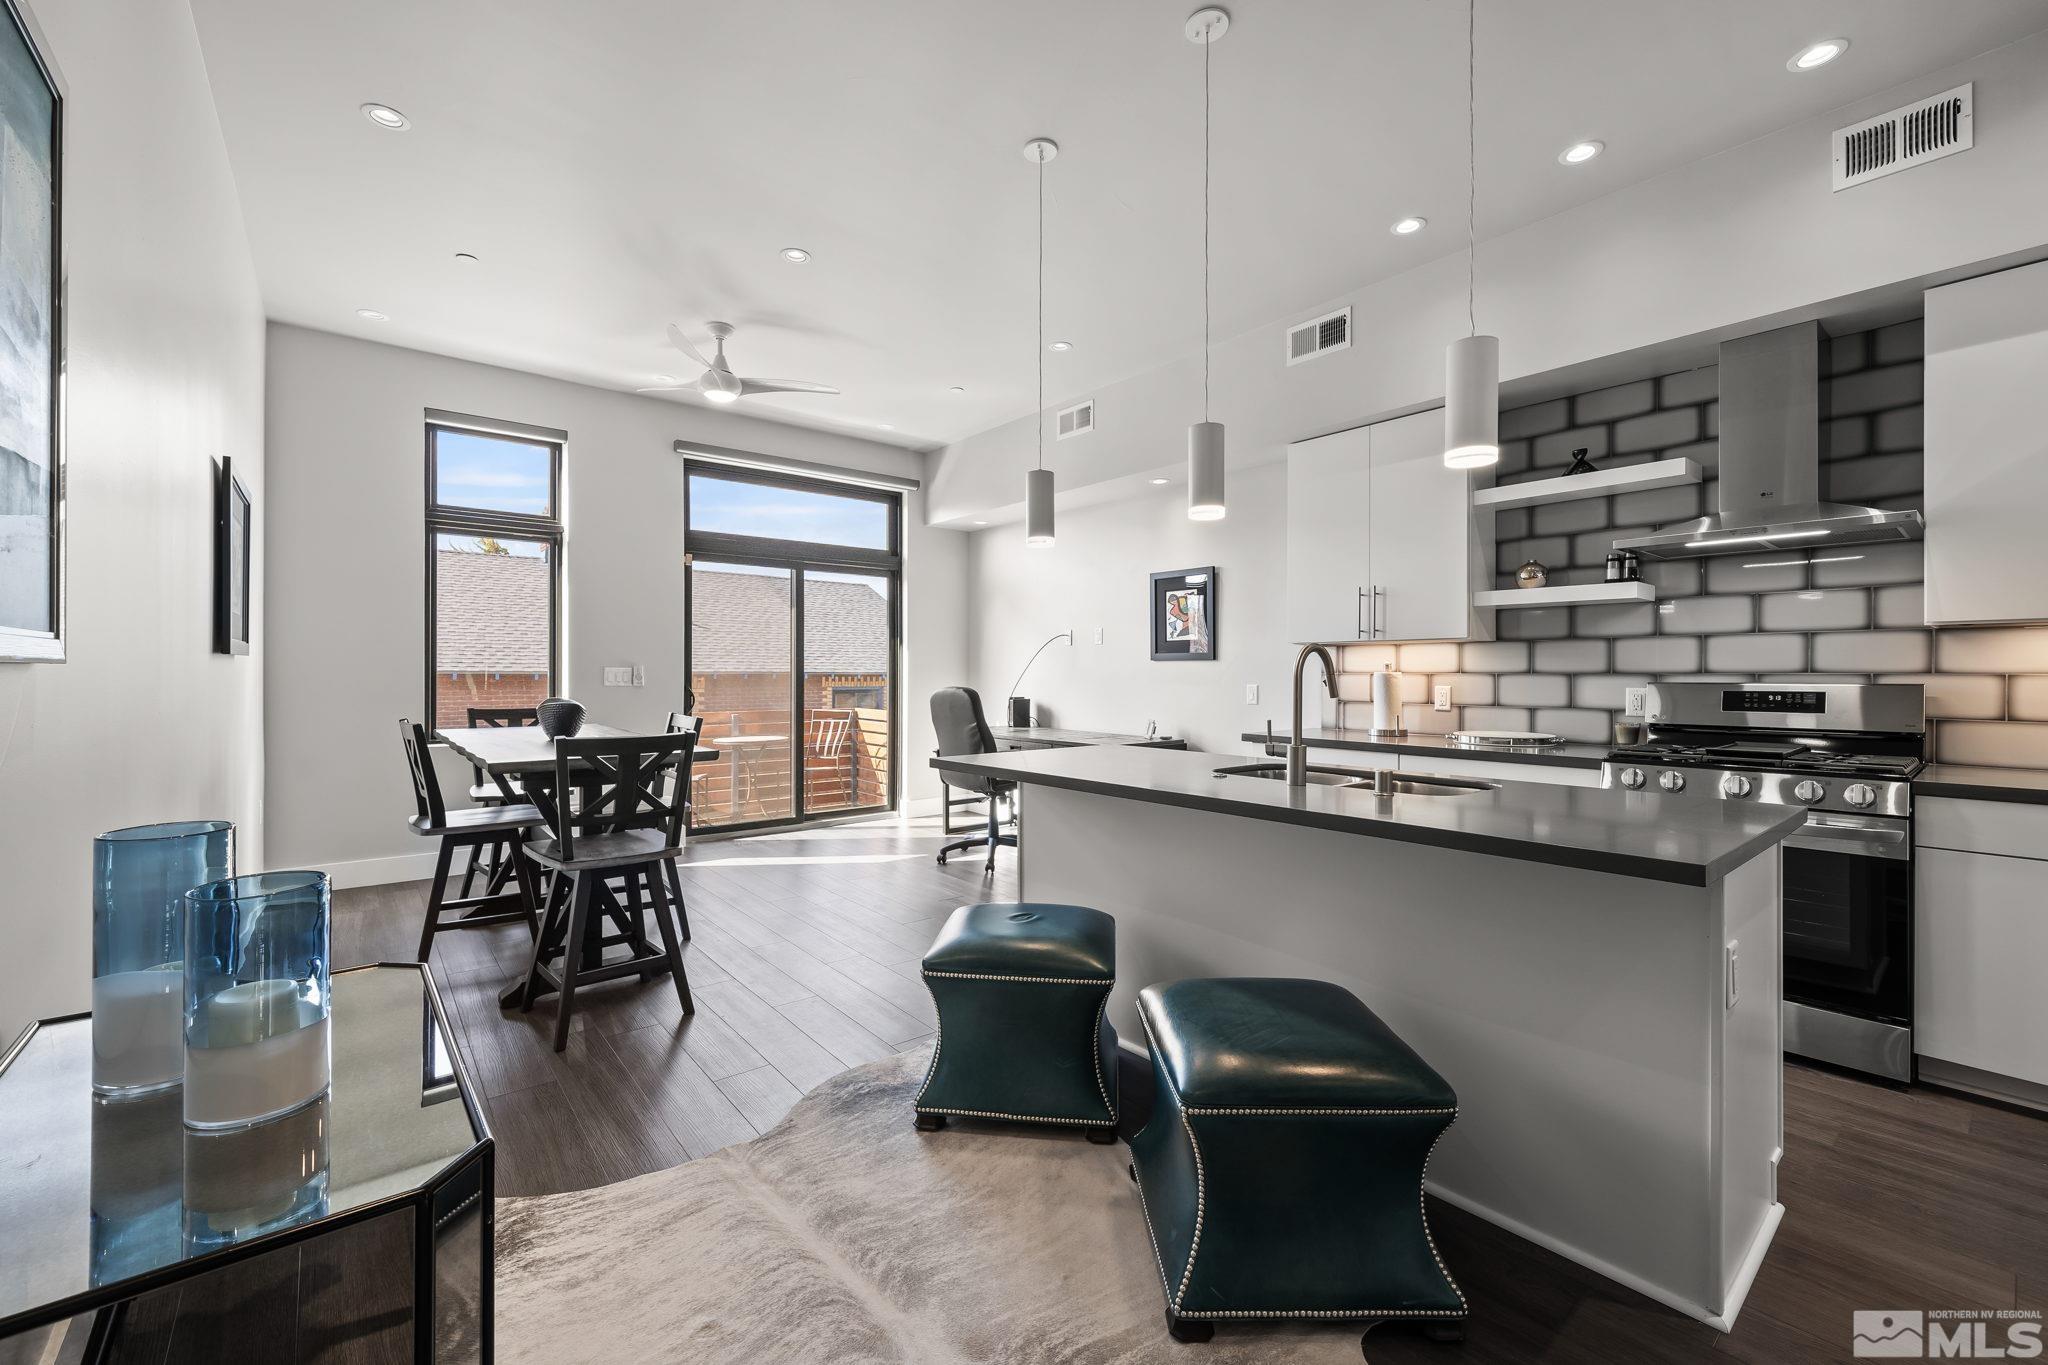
(1044,737)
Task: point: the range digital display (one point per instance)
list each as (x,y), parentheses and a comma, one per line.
(1777,703)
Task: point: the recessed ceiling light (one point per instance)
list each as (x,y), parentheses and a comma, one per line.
(371,315)
(663,378)
(957,388)
(886,426)
(795,255)
(1408,225)
(1580,152)
(466,257)
(1819,54)
(1059,346)
(1158,482)
(981,523)
(387,118)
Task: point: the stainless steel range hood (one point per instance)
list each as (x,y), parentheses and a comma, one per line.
(1770,462)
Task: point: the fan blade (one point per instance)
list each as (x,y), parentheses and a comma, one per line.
(682,343)
(749,386)
(667,388)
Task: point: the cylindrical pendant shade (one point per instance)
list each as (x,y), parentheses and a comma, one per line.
(1472,402)
(1205,471)
(1038,507)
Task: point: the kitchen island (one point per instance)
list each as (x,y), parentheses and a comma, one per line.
(1595,972)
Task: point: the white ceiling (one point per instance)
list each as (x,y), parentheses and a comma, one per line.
(619,165)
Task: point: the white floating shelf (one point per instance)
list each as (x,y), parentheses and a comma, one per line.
(1598,484)
(1507,599)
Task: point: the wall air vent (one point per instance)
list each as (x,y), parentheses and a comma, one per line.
(1925,130)
(1320,336)
(1077,420)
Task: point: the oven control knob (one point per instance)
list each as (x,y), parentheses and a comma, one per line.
(1735,784)
(1861,794)
(1809,790)
(1672,781)
(1632,778)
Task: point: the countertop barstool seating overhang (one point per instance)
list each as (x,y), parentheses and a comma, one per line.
(614,806)
(502,829)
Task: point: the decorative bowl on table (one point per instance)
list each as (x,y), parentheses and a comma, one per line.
(560,717)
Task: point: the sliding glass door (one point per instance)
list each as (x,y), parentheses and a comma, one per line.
(793,623)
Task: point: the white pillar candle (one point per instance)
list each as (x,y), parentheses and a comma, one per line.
(255,1050)
(138,1042)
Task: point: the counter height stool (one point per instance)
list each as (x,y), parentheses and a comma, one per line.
(1281,1172)
(1021,992)
(500,829)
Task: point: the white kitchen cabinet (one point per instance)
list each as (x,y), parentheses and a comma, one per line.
(1986,448)
(1980,935)
(1383,542)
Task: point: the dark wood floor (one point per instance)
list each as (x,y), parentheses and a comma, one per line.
(804,962)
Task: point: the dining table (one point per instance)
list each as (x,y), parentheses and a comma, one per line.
(508,752)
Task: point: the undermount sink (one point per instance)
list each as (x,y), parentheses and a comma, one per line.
(1356,779)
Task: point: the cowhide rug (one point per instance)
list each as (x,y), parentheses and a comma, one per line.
(842,1235)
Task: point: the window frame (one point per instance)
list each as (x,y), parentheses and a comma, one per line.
(444,520)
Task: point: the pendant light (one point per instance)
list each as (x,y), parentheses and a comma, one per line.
(1038,482)
(1205,438)
(1472,364)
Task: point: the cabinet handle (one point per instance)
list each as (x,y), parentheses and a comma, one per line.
(1377,593)
(1364,631)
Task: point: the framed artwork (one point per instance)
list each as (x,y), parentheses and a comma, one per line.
(233,523)
(31,345)
(1184,615)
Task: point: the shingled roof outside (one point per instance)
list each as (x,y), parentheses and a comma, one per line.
(491,615)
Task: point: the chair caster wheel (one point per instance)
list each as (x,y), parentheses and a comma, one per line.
(1101,1137)
(942,860)
(930,1123)
(1189,1329)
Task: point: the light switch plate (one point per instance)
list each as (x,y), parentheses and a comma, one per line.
(1441,697)
(618,677)
(1634,700)
(1251,694)
(639,676)
(1098,635)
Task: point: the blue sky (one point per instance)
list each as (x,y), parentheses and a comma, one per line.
(491,473)
(752,509)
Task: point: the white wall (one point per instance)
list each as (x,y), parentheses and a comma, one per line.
(143,722)
(1750,237)
(346,544)
(1098,574)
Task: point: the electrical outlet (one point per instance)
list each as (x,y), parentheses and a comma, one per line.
(618,677)
(1098,635)
(639,676)
(1634,699)
(1251,694)
(1441,697)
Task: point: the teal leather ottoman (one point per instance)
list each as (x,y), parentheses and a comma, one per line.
(1281,1172)
(1021,992)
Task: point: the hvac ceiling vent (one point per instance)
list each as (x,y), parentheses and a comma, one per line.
(1925,130)
(1078,420)
(1330,332)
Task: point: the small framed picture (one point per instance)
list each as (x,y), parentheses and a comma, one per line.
(1184,615)
(233,520)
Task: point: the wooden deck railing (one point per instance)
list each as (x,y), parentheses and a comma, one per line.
(846,756)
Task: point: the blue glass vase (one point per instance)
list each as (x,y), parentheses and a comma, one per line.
(139,880)
(257,999)
(245,1182)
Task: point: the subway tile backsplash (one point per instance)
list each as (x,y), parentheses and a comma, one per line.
(1850,615)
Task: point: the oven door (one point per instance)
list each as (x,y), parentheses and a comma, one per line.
(1848,904)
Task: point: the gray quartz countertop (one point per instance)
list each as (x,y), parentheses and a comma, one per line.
(1689,840)
(1557,755)
(2029,785)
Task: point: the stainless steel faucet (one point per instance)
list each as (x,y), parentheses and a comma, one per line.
(1297,752)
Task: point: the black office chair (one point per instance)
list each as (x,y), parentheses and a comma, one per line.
(963,729)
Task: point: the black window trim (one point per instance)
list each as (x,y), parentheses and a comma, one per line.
(442,519)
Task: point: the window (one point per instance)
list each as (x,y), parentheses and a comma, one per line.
(494,558)
(758,508)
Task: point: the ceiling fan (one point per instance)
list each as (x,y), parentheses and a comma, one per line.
(718,383)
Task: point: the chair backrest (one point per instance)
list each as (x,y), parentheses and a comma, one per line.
(682,722)
(962,729)
(500,718)
(625,784)
(828,731)
(419,762)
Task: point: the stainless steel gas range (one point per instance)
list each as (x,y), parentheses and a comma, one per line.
(1847,754)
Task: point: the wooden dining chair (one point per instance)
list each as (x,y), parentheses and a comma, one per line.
(485,791)
(681,723)
(501,828)
(613,822)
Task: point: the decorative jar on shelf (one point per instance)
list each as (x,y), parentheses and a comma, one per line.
(139,879)
(1531,575)
(256,998)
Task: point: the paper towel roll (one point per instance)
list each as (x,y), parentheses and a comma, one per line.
(1386,702)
